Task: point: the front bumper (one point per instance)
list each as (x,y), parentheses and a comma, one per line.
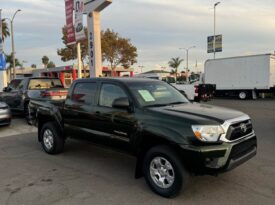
(5,116)
(220,158)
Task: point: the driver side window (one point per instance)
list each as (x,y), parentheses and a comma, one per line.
(110,92)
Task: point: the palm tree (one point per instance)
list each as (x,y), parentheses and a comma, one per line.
(10,61)
(45,61)
(5,30)
(175,63)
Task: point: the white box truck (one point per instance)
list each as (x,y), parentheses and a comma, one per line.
(244,76)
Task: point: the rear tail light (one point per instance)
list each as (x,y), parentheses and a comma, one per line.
(54,93)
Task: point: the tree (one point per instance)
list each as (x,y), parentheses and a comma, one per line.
(51,65)
(5,29)
(117,50)
(10,61)
(45,61)
(70,51)
(33,66)
(175,63)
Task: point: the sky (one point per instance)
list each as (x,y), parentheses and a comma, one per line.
(158,28)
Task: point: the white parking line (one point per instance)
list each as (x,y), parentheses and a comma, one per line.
(17,127)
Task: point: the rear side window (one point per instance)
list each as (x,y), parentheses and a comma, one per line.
(84,93)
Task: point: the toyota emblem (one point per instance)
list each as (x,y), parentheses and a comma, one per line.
(243,128)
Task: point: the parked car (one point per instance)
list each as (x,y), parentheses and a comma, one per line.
(20,91)
(153,121)
(5,114)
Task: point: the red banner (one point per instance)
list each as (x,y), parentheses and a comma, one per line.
(69,9)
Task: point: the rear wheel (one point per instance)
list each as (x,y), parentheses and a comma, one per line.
(164,172)
(243,95)
(51,139)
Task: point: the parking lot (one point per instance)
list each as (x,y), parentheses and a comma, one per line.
(89,174)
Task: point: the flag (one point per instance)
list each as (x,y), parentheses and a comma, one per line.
(79,28)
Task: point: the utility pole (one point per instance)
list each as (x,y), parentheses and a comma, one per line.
(214,42)
(12,42)
(187,59)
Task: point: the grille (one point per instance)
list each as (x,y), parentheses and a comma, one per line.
(243,148)
(239,130)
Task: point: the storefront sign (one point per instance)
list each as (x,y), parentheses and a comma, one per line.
(69,8)
(1,40)
(2,56)
(218,44)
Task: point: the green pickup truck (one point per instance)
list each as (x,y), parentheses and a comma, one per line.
(170,137)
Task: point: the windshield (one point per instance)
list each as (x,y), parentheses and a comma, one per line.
(38,84)
(14,84)
(156,94)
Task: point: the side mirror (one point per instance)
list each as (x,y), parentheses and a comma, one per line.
(121,103)
(6,89)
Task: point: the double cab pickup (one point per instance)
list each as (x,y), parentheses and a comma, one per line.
(170,137)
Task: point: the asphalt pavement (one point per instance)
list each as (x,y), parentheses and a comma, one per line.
(89,174)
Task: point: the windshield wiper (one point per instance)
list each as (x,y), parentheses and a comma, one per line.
(157,105)
(163,105)
(176,103)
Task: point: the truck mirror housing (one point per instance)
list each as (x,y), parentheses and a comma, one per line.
(6,89)
(121,103)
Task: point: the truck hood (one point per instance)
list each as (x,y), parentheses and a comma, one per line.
(200,112)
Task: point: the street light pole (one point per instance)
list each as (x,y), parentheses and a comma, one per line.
(12,42)
(214,42)
(187,55)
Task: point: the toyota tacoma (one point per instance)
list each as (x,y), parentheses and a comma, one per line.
(170,137)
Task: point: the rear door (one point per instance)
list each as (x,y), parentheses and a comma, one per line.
(78,109)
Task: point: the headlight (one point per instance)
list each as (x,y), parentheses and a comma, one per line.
(208,133)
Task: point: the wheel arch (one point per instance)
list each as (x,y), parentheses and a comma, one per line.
(145,143)
(42,119)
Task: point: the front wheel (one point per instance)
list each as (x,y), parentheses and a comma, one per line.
(164,171)
(51,139)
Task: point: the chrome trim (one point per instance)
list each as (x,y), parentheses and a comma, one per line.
(230,122)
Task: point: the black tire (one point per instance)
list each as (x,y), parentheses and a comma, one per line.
(27,114)
(57,142)
(243,95)
(179,172)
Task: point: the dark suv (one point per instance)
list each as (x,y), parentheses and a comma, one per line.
(20,91)
(150,119)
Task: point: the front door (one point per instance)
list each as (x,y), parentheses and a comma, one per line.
(118,124)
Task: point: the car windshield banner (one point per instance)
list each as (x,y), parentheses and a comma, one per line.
(79,28)
(69,9)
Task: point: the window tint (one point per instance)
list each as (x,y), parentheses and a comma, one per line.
(156,94)
(84,93)
(38,84)
(109,93)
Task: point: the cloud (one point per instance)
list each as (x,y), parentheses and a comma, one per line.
(157,27)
